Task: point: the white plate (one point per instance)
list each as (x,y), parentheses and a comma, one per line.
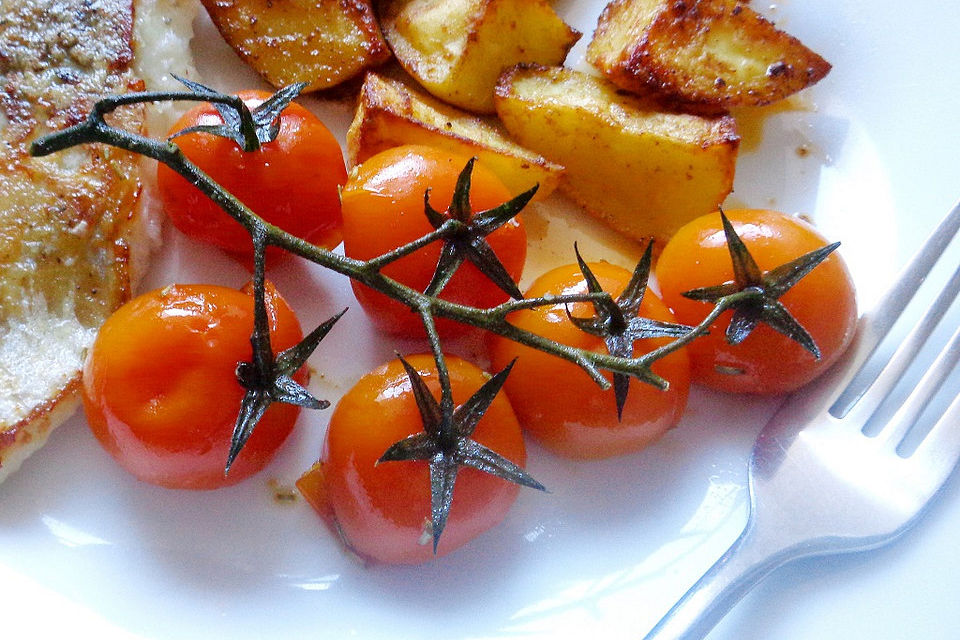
(85,549)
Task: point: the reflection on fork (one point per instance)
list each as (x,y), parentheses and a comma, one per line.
(819,484)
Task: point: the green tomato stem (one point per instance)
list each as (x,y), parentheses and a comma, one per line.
(494,320)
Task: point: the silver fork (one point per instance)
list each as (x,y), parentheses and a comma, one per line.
(818,485)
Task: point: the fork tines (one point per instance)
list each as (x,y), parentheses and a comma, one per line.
(868,388)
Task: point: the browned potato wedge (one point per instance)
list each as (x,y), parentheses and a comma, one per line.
(643,171)
(391,113)
(714,52)
(457,48)
(322,42)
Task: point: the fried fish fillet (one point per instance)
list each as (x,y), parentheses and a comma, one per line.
(73,230)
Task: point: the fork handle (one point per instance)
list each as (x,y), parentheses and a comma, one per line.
(743,566)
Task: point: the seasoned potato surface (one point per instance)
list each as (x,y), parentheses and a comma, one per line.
(643,170)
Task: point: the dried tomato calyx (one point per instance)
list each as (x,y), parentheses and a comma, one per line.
(767,286)
(467,240)
(269,379)
(617,322)
(446,443)
(248,128)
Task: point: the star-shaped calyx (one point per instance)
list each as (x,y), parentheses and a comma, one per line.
(248,128)
(467,235)
(447,445)
(768,287)
(268,379)
(617,321)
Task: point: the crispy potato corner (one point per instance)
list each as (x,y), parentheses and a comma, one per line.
(391,113)
(457,48)
(711,52)
(322,42)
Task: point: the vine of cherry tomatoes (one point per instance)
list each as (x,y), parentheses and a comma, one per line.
(182,344)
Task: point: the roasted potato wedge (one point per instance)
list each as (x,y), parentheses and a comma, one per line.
(322,42)
(713,52)
(457,48)
(391,113)
(643,171)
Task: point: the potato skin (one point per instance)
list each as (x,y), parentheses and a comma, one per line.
(719,53)
(321,42)
(636,165)
(391,113)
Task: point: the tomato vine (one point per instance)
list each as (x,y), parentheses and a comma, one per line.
(266,377)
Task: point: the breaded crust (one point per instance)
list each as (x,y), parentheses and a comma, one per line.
(67,220)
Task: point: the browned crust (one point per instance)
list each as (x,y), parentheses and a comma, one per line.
(799,68)
(372,100)
(28,435)
(58,59)
(644,65)
(239,24)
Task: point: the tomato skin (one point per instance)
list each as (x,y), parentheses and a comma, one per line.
(558,403)
(291,182)
(160,390)
(824,301)
(381,510)
(383,209)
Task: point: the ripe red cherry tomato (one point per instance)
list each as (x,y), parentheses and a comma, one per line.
(383,209)
(290,182)
(382,511)
(160,390)
(558,403)
(766,362)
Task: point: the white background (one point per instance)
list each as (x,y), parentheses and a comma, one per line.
(84,548)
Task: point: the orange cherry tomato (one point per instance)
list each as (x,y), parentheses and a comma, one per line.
(766,362)
(558,403)
(383,209)
(290,182)
(382,511)
(160,388)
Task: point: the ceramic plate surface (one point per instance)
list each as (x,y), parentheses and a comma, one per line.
(85,549)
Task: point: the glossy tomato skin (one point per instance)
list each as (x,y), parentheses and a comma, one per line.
(383,209)
(383,510)
(824,301)
(291,182)
(160,390)
(558,403)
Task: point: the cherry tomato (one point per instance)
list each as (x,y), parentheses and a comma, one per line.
(558,403)
(382,511)
(383,209)
(290,182)
(160,389)
(766,362)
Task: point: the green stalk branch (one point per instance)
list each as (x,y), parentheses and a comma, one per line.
(446,442)
(96,130)
(723,304)
(375,264)
(443,373)
(494,320)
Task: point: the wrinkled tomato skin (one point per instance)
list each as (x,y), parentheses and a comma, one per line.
(558,403)
(382,511)
(291,182)
(160,389)
(383,208)
(823,302)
